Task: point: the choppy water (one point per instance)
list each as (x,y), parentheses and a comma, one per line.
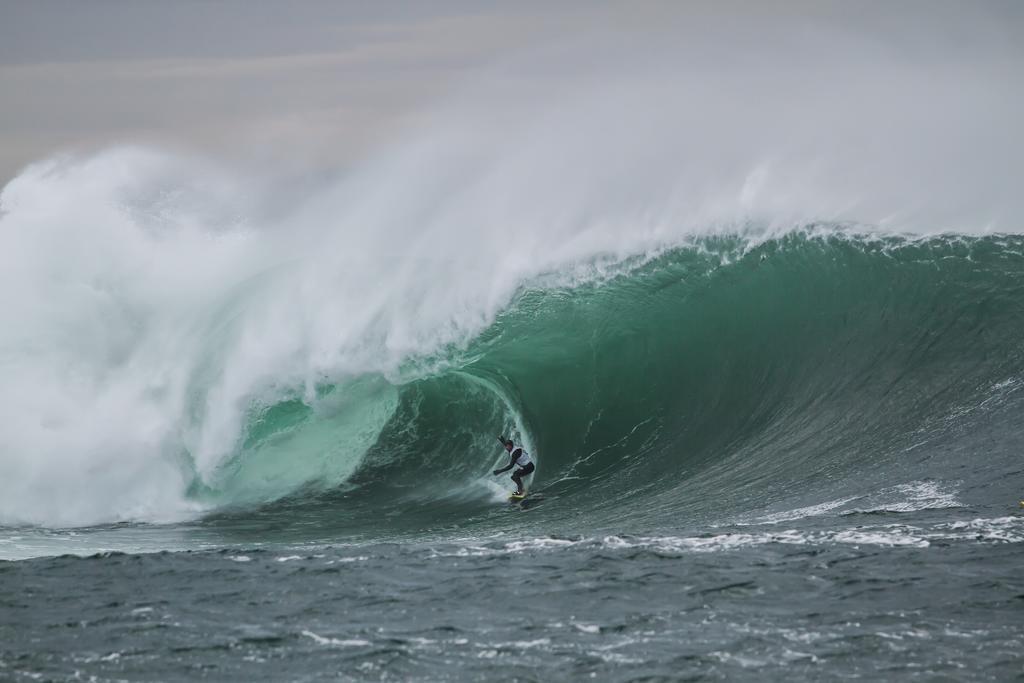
(899,596)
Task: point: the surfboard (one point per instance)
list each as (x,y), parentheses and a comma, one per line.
(515,497)
(527,501)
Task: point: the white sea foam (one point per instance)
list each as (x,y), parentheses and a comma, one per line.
(800,513)
(908,497)
(989,530)
(911,497)
(336,642)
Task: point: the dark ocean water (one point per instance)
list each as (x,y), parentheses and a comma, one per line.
(537,609)
(795,458)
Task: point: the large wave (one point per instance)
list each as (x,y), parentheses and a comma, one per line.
(819,363)
(172,371)
(647,279)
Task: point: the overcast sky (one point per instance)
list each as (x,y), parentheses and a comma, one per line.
(318,80)
(321,83)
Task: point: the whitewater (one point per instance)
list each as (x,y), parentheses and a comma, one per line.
(767,360)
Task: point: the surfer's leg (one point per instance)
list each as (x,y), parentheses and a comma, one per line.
(524,472)
(517,477)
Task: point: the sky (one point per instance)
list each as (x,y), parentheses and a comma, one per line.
(313,81)
(309,85)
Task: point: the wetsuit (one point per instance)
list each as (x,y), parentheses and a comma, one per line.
(521,459)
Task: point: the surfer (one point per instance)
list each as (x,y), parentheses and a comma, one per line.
(517,457)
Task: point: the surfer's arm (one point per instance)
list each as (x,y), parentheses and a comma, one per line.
(512,461)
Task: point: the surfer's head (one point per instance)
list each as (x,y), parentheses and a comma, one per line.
(508,445)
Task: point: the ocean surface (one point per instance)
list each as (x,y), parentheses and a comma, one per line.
(761,455)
